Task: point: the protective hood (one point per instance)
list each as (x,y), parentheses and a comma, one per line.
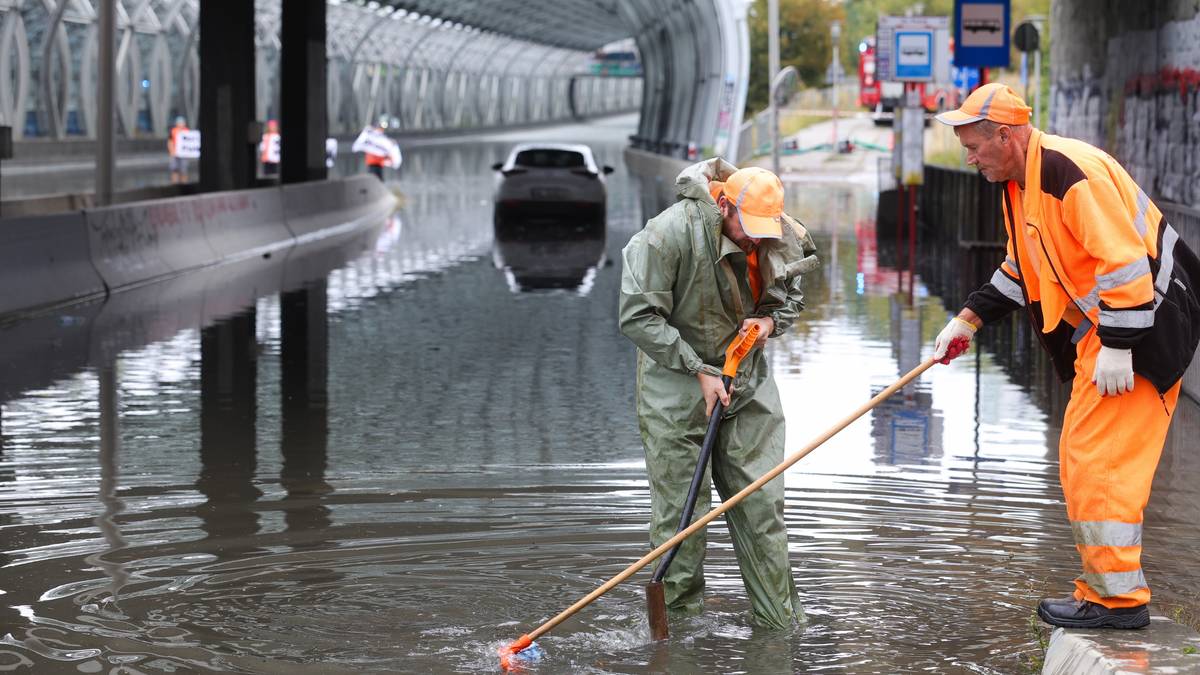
(692,182)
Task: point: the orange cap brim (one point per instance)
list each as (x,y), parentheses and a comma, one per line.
(761,227)
(956,118)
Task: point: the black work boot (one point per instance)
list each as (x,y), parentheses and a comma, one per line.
(1071,613)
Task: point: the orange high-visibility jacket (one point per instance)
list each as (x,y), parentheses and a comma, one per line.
(1086,248)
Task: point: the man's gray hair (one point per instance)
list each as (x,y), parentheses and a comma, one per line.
(986,127)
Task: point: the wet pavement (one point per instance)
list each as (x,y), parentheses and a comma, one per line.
(421,449)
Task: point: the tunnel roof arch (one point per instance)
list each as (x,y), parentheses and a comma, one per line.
(698,51)
(429,64)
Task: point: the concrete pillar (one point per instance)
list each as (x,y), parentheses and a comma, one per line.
(304,359)
(228,156)
(106,76)
(228,416)
(303,115)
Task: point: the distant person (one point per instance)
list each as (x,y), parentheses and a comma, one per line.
(380,150)
(178,165)
(1107,283)
(268,149)
(721,259)
(331,150)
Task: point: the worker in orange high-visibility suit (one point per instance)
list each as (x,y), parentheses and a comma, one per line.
(178,165)
(1108,283)
(268,149)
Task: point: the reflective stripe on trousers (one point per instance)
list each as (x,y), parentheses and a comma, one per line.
(1108,452)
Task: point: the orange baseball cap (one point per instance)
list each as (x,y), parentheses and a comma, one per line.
(993,101)
(758,196)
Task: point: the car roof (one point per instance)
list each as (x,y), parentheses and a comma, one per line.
(571,147)
(582,149)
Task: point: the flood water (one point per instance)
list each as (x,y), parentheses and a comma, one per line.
(404,462)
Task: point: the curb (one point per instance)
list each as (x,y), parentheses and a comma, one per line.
(1163,647)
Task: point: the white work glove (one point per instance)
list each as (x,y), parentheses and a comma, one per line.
(1114,371)
(954,339)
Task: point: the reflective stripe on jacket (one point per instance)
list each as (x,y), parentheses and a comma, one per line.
(1086,248)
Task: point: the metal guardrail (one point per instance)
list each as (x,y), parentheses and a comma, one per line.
(957,200)
(962,203)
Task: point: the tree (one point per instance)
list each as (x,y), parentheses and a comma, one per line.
(804,44)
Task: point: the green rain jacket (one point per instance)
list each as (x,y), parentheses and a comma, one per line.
(684,295)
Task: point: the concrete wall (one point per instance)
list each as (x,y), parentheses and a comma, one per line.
(48,261)
(1125,76)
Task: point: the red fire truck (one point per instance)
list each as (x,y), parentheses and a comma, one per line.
(882,96)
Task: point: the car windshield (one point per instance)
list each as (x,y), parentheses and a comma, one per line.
(549,159)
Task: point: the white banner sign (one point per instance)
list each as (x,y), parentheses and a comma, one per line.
(270,143)
(187,144)
(331,146)
(377,143)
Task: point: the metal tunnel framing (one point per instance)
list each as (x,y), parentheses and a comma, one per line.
(426,65)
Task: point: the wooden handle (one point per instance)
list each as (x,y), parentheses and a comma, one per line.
(731,502)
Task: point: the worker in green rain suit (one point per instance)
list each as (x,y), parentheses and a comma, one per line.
(721,257)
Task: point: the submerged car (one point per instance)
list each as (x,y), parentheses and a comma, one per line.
(554,190)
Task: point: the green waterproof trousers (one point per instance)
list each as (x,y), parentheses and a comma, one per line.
(750,443)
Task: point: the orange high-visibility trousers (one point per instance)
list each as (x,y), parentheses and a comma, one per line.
(1108,452)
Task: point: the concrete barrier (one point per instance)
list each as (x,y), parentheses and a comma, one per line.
(242,223)
(143,241)
(1162,647)
(45,261)
(327,208)
(66,257)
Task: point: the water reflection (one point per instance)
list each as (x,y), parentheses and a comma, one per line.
(228,415)
(304,439)
(375,469)
(550,257)
(109,606)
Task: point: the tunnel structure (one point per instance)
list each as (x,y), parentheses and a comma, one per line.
(427,66)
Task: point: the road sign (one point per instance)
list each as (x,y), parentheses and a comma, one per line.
(1025,38)
(981,29)
(965,78)
(912,49)
(914,55)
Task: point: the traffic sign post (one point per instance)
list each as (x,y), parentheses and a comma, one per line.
(981,29)
(1027,39)
(912,49)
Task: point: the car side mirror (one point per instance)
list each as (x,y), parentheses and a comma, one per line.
(608,169)
(497,166)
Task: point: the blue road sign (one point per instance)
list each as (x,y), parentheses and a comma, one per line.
(965,78)
(913,53)
(981,33)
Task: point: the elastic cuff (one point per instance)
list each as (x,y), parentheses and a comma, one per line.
(776,329)
(966,323)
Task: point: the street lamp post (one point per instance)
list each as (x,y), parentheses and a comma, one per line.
(835,71)
(773,67)
(106,128)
